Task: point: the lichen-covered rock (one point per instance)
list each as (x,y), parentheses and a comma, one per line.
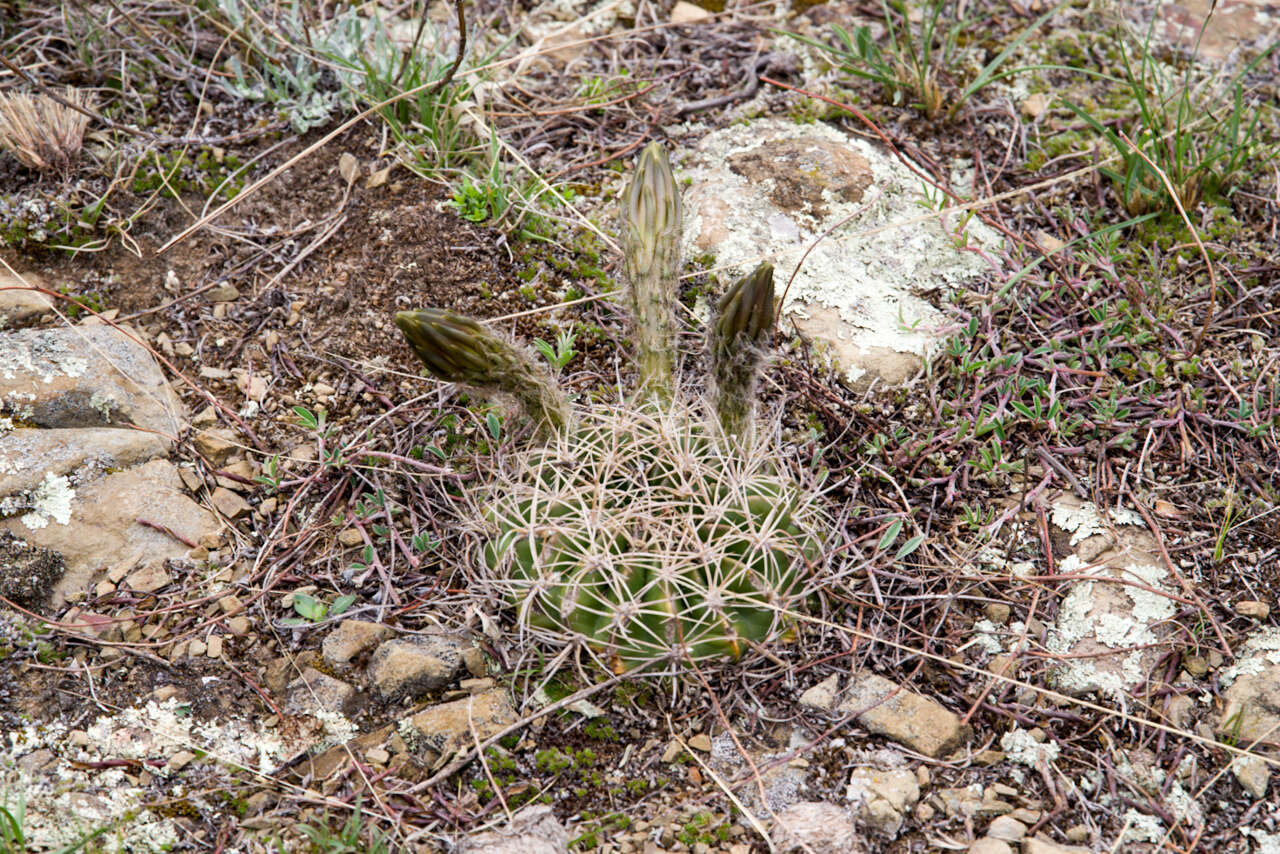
(416,663)
(532,830)
(817,827)
(898,713)
(438,732)
(882,798)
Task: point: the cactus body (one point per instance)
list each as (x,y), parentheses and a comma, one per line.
(457,349)
(651,255)
(638,535)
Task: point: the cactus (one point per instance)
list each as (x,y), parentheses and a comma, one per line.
(651,256)
(459,350)
(641,532)
(641,536)
(743,324)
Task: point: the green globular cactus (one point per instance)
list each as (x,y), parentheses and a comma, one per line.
(742,328)
(457,349)
(640,536)
(651,226)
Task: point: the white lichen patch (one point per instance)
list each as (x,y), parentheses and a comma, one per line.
(1022,747)
(1083,519)
(867,271)
(51,500)
(1260,650)
(43,356)
(63,802)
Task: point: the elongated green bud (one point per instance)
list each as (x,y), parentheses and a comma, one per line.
(459,350)
(743,325)
(651,255)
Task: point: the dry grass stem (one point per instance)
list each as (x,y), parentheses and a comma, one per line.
(43,134)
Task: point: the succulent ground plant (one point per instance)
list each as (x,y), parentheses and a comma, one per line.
(643,533)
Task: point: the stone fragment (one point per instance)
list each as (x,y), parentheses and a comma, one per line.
(1253,775)
(350,639)
(997,612)
(438,732)
(181,760)
(215,646)
(77,377)
(149,578)
(1040,845)
(197,648)
(216,445)
(20,302)
(223,293)
(1108,631)
(314,692)
(817,827)
(416,663)
(1253,610)
(701,742)
(1007,828)
(882,799)
(988,845)
(1251,702)
(1227,25)
(238,626)
(229,504)
(685,12)
(971,801)
(124,515)
(887,709)
(823,695)
(532,830)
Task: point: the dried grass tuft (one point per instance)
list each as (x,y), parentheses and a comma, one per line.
(42,133)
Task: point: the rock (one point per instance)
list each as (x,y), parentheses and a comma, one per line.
(1109,633)
(416,663)
(84,377)
(229,504)
(897,713)
(181,760)
(223,293)
(701,742)
(27,572)
(972,801)
(817,827)
(780,784)
(438,732)
(987,845)
(150,578)
(1007,828)
(28,456)
(1251,702)
(1234,24)
(314,691)
(532,830)
(1253,610)
(1253,775)
(1040,845)
(883,799)
(350,639)
(997,612)
(20,302)
(823,695)
(102,525)
(687,13)
(216,445)
(771,188)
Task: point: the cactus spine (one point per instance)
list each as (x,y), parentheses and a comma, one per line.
(743,325)
(651,229)
(459,350)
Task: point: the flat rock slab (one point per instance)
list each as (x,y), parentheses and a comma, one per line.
(438,732)
(1251,707)
(80,376)
(816,827)
(1108,630)
(19,301)
(96,525)
(28,456)
(1234,25)
(769,189)
(886,708)
(532,830)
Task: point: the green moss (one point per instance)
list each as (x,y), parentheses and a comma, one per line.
(551,761)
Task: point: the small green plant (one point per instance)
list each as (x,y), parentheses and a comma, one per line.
(917,58)
(1204,139)
(354,836)
(312,610)
(562,353)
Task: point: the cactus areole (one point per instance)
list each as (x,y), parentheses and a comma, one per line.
(641,532)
